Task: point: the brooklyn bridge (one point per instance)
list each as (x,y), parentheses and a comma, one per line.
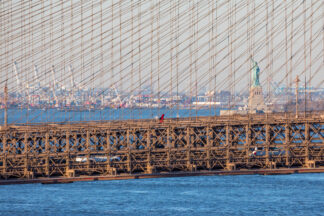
(136,89)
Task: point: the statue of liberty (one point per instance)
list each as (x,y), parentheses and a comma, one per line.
(255,74)
(256,100)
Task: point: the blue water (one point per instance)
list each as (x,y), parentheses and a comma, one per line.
(297,194)
(53,115)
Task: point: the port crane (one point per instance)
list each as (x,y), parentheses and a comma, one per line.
(16,73)
(38,83)
(72,83)
(122,102)
(22,89)
(53,86)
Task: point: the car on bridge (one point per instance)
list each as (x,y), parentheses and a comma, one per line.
(273,151)
(95,158)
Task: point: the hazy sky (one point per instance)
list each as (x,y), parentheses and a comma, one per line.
(169,45)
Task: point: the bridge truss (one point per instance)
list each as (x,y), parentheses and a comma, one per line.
(111,148)
(158,55)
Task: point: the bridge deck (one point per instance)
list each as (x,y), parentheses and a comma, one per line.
(148,147)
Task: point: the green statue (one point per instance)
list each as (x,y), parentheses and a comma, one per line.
(255,74)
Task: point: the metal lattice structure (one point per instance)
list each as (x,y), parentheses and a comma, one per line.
(257,141)
(58,58)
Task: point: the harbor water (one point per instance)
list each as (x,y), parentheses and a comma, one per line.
(53,115)
(296,194)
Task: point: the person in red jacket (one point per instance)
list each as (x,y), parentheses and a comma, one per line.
(161,118)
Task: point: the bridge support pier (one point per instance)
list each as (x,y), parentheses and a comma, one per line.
(4,157)
(28,174)
(4,167)
(129,161)
(70,173)
(191,167)
(150,169)
(208,166)
(310,164)
(287,144)
(111,170)
(67,157)
(230,166)
(247,144)
(272,165)
(47,172)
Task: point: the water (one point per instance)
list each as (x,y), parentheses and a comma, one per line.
(297,194)
(53,115)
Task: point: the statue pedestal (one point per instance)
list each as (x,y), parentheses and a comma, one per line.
(256,100)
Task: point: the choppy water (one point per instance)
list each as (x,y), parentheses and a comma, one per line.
(297,194)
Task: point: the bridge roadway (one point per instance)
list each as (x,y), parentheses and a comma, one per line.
(133,147)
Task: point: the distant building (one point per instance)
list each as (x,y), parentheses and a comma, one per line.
(256,100)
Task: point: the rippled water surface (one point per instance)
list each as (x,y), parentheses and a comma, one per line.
(298,194)
(52,115)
